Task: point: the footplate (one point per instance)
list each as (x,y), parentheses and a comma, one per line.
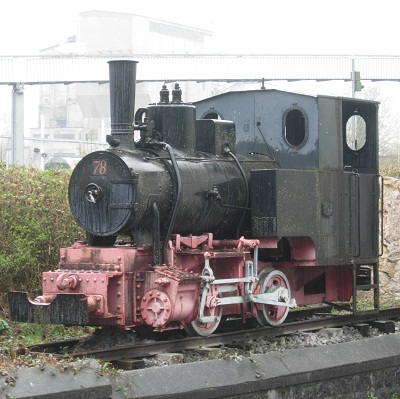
(68,309)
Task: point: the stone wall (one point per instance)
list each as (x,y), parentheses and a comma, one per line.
(389,264)
(381,384)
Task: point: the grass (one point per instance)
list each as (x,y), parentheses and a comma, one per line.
(33,334)
(16,337)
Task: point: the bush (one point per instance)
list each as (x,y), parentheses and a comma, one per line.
(35,221)
(390,169)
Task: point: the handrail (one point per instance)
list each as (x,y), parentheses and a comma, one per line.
(380,252)
(357,180)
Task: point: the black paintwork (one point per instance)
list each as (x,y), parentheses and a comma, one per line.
(284,155)
(65,308)
(321,188)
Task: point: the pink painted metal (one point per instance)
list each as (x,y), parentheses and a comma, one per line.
(122,286)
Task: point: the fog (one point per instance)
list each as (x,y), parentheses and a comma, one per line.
(309,27)
(253,27)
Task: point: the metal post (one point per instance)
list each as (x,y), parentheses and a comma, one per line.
(17,134)
(353,94)
(42,142)
(353,80)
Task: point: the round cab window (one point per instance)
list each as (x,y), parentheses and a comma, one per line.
(356,132)
(295,127)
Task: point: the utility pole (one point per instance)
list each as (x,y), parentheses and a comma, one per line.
(17,134)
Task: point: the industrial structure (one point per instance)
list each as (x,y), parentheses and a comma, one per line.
(73,107)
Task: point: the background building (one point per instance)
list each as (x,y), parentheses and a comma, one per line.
(69,120)
(74,119)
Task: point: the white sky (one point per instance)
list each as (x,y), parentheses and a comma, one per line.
(351,27)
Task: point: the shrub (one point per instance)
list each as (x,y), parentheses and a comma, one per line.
(389,166)
(390,169)
(35,221)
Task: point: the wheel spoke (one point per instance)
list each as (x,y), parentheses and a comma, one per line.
(205,329)
(270,278)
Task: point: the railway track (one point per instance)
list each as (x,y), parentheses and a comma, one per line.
(146,348)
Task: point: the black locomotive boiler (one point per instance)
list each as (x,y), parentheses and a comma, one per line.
(266,200)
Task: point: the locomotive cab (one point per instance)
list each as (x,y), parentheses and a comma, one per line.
(322,199)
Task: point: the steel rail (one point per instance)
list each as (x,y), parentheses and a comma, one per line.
(151,348)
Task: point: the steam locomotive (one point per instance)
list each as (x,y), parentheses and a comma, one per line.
(265,201)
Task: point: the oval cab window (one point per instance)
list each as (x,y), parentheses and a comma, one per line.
(295,127)
(356,132)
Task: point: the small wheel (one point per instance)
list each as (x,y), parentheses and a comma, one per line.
(205,329)
(272,315)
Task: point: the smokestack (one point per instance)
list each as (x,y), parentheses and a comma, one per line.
(122,103)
